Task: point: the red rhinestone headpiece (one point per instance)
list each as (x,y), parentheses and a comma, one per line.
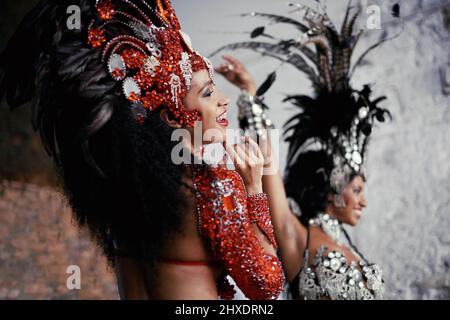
(144,48)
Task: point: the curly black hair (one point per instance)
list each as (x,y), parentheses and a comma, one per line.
(139,203)
(118,175)
(306,182)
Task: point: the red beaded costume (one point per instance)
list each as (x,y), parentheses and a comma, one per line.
(259,213)
(225,218)
(154,60)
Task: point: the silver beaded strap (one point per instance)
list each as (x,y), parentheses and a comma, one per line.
(252,115)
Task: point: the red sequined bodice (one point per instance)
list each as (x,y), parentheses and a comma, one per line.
(224,220)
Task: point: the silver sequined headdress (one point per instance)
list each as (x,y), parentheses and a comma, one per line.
(338,119)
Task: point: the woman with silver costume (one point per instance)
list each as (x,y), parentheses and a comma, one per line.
(324,179)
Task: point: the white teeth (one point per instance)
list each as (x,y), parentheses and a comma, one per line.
(221,117)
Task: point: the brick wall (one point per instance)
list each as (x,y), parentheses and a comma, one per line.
(38,241)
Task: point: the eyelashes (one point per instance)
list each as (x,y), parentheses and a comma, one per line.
(208,93)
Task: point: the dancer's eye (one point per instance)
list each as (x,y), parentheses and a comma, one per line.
(208,92)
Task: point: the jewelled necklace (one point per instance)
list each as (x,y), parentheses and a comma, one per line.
(329,225)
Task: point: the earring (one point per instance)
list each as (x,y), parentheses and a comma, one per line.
(338,201)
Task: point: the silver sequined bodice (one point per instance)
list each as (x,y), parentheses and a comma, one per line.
(330,276)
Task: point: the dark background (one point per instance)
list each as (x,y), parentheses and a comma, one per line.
(38,239)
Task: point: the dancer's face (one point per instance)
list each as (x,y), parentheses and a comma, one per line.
(355,202)
(212,105)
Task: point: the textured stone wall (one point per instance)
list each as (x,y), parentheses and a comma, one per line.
(407,224)
(39,241)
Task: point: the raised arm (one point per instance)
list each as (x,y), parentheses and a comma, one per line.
(289,232)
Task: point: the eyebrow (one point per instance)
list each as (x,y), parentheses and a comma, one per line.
(205,85)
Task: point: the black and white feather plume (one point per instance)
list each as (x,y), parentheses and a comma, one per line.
(52,68)
(337,118)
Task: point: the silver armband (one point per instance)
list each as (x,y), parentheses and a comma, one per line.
(252,115)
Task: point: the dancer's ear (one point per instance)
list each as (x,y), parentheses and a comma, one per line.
(168,119)
(330,198)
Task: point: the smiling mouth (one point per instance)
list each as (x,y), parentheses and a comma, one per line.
(222,119)
(358,212)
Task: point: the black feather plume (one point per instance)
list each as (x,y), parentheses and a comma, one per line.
(336,112)
(273,18)
(47,64)
(257,32)
(266,84)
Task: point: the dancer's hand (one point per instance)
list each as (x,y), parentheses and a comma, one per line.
(248,161)
(235,72)
(265,145)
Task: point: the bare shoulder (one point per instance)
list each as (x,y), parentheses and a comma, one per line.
(320,241)
(187,243)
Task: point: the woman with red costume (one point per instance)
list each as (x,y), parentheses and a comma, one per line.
(107,100)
